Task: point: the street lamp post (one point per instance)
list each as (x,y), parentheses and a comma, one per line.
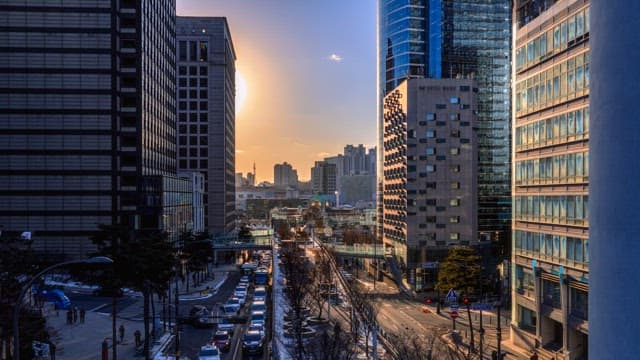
(27,286)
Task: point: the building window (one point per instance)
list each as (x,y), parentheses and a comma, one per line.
(454,151)
(430,116)
(551,293)
(430,185)
(430,134)
(204,51)
(454,202)
(431,219)
(455,185)
(441,106)
(454,100)
(183,51)
(430,168)
(579,303)
(193,50)
(454,117)
(527,320)
(454,236)
(454,219)
(454,168)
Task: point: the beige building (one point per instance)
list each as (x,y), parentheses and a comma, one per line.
(551,178)
(430,170)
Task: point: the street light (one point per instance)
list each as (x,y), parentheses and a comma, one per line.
(27,286)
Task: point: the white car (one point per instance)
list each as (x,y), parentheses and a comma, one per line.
(233,303)
(209,352)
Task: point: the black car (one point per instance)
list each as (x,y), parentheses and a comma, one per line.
(200,316)
(108,292)
(252,342)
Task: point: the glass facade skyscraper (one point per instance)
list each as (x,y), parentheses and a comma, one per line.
(87,109)
(450,39)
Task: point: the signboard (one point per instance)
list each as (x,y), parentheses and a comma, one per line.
(454,314)
(430,265)
(452,296)
(454,307)
(482,307)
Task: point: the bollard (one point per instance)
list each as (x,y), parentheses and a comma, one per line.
(105,350)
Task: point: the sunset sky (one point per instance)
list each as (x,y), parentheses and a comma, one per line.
(310,74)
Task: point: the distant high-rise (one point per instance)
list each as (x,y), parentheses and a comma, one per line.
(87,109)
(450,39)
(430,184)
(206,113)
(354,160)
(323,178)
(284,175)
(550,255)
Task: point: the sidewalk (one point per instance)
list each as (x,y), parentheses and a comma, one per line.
(83,341)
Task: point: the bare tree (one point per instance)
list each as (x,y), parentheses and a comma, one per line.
(435,345)
(297,271)
(332,344)
(321,283)
(364,305)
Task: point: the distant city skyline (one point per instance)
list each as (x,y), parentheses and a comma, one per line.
(310,75)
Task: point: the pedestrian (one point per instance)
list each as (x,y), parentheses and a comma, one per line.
(138,337)
(75,314)
(121,332)
(82,313)
(69,317)
(52,351)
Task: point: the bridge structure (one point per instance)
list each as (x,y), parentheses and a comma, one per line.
(263,239)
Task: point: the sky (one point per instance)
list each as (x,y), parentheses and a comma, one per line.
(310,72)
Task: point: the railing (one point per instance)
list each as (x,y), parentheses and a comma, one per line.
(363,250)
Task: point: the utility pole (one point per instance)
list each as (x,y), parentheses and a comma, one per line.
(481,335)
(175,326)
(498,328)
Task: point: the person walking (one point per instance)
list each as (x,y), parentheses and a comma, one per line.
(75,314)
(52,351)
(121,332)
(138,337)
(82,314)
(69,317)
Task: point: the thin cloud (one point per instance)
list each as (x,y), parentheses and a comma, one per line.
(239,151)
(335,58)
(322,154)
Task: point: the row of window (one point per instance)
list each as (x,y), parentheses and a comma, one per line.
(193,82)
(52,141)
(554,169)
(559,83)
(193,50)
(557,129)
(193,70)
(193,117)
(193,140)
(569,209)
(554,40)
(558,247)
(62,162)
(193,164)
(56,182)
(62,203)
(85,221)
(50,60)
(193,105)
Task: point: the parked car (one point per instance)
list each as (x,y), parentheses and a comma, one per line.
(108,292)
(258,306)
(200,316)
(252,342)
(257,327)
(209,352)
(222,340)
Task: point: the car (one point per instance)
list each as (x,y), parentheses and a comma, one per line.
(258,306)
(240,291)
(257,327)
(209,352)
(234,302)
(257,317)
(252,342)
(200,316)
(226,325)
(244,279)
(108,292)
(222,340)
(242,298)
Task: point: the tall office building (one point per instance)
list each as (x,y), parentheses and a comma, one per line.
(430,165)
(447,39)
(284,175)
(551,178)
(206,113)
(323,178)
(83,115)
(354,159)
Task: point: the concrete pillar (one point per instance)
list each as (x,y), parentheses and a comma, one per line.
(538,289)
(614,204)
(564,305)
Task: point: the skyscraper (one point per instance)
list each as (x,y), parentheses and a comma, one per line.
(285,175)
(450,39)
(206,113)
(83,116)
(550,255)
(323,178)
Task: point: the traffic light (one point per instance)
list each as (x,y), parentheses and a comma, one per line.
(428,300)
(466,301)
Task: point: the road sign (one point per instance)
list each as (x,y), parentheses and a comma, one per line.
(454,314)
(482,307)
(452,296)
(454,307)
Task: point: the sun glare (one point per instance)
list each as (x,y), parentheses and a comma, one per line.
(241,91)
